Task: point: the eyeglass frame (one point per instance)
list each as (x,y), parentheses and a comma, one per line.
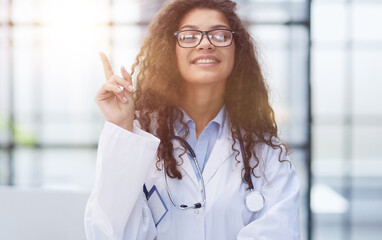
(204,33)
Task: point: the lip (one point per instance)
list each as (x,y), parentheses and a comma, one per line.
(209,56)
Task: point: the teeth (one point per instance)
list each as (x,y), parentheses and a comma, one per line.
(205,61)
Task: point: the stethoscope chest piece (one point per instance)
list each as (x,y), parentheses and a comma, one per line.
(254,201)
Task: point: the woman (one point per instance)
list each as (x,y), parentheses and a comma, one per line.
(193,152)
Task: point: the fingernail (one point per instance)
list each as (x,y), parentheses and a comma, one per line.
(121,87)
(124,99)
(131,88)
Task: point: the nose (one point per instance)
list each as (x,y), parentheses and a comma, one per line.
(205,43)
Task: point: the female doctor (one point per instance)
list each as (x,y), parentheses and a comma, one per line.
(193,152)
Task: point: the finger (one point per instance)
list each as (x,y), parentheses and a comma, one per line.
(106,66)
(127,77)
(116,90)
(125,74)
(121,82)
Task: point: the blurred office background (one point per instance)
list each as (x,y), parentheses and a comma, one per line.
(322,60)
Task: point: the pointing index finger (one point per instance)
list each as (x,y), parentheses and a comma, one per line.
(106,66)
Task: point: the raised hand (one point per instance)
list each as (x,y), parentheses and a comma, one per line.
(115,97)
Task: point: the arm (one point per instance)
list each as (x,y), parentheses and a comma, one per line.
(279,219)
(117,208)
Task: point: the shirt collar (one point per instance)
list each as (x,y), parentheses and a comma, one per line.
(219,120)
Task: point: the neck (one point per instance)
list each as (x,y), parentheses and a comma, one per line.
(202,105)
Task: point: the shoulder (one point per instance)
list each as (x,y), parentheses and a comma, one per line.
(150,120)
(273,159)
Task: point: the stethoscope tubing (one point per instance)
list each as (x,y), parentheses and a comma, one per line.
(248,198)
(201,180)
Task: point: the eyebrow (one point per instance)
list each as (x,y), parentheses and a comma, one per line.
(212,27)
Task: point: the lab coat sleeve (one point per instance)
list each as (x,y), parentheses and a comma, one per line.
(117,208)
(279,219)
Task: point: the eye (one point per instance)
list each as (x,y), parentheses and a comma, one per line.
(221,36)
(189,37)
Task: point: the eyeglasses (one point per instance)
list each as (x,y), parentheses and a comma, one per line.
(192,38)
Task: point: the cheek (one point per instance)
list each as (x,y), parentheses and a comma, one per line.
(180,57)
(231,61)
(177,55)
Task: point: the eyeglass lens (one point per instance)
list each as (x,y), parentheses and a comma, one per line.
(218,38)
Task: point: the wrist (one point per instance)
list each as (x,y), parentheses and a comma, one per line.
(128,125)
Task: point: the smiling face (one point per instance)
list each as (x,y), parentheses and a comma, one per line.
(205,63)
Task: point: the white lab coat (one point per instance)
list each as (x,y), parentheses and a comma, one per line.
(118,209)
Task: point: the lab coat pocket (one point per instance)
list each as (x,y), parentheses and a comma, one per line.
(156,204)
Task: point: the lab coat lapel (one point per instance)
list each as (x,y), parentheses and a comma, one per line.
(185,163)
(220,153)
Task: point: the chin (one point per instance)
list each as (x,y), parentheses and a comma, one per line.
(205,79)
(204,76)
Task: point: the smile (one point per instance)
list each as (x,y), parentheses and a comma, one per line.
(204,61)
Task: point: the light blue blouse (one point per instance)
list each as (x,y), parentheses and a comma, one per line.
(203,145)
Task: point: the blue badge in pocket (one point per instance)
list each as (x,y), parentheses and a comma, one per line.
(156,204)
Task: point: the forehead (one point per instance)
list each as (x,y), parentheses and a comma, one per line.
(205,19)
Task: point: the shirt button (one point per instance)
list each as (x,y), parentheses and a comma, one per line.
(196,211)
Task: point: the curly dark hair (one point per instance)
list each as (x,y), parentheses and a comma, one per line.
(158,88)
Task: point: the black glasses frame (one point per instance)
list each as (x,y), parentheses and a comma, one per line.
(176,34)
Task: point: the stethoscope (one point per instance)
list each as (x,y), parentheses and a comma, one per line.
(254,200)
